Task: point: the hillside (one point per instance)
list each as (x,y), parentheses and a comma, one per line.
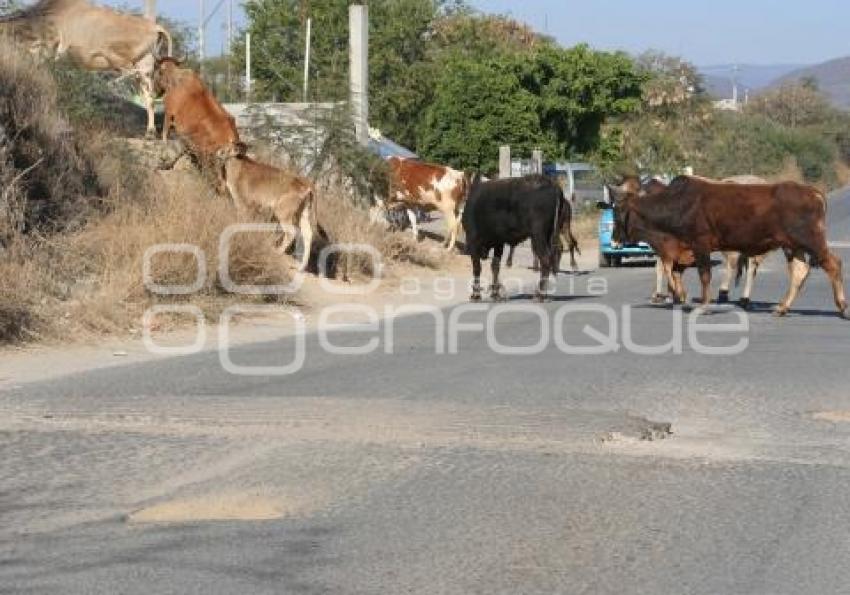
(718,78)
(833,77)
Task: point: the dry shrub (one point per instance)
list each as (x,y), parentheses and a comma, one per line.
(790,172)
(110,252)
(586,225)
(91,281)
(842,173)
(46,181)
(344,223)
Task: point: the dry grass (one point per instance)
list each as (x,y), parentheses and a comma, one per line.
(586,225)
(80,209)
(790,172)
(90,282)
(47,183)
(344,223)
(842,173)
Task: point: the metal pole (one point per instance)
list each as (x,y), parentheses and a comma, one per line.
(230,27)
(248,82)
(150,9)
(202,50)
(307,60)
(229,73)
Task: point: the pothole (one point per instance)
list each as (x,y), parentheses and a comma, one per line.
(234,507)
(639,430)
(841,417)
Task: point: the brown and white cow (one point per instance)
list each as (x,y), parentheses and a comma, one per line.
(706,216)
(96,38)
(415,184)
(195,115)
(260,189)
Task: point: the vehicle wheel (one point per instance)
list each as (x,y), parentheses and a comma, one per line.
(617,261)
(605,261)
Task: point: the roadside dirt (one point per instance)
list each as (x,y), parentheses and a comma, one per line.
(402,285)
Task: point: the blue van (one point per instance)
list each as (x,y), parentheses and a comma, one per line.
(611,254)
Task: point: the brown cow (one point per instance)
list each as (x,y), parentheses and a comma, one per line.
(734,264)
(260,188)
(196,116)
(430,187)
(752,219)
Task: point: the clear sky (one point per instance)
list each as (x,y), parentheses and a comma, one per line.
(703,31)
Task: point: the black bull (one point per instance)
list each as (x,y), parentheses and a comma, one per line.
(508,212)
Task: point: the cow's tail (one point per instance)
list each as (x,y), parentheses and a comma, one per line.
(572,242)
(163,37)
(743,267)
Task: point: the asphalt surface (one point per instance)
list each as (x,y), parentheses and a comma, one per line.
(467,472)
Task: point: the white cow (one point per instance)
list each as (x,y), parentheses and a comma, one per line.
(96,38)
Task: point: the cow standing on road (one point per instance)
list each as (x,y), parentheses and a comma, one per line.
(508,212)
(734,263)
(96,38)
(753,219)
(414,184)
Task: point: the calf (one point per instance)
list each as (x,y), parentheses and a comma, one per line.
(257,187)
(508,212)
(414,184)
(753,219)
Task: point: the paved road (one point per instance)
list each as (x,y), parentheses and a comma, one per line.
(472,472)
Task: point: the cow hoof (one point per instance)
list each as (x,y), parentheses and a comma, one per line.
(845,314)
(780,312)
(745,303)
(150,135)
(497,294)
(658,299)
(723,298)
(475,298)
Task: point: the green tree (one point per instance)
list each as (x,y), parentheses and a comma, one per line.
(401,70)
(552,99)
(793,105)
(477,107)
(578,89)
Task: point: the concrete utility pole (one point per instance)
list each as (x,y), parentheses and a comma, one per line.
(307,60)
(248,82)
(537,162)
(202,27)
(229,27)
(150,9)
(504,161)
(358,21)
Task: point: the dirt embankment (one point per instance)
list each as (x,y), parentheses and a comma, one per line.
(81,210)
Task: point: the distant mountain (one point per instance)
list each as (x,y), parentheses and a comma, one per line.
(833,78)
(718,78)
